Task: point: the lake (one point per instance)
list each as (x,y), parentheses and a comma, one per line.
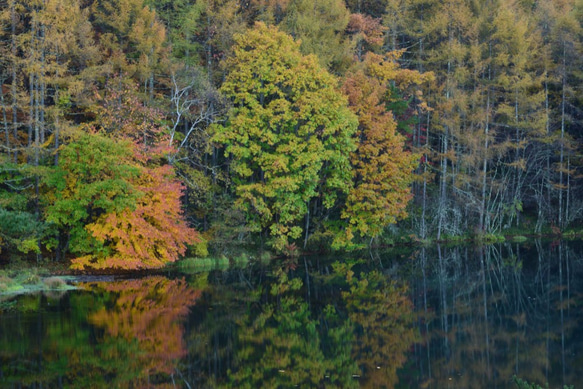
(439,317)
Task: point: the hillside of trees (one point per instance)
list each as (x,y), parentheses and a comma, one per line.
(133,132)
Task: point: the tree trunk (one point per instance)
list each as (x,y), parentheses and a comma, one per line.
(482,224)
(14,91)
(307,232)
(562,141)
(5,119)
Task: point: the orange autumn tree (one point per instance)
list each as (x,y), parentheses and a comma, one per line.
(382,166)
(154,231)
(148,236)
(116,209)
(139,227)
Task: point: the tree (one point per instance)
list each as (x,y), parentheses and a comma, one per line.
(382,166)
(148,236)
(288,135)
(367,33)
(132,39)
(562,33)
(320,26)
(113,210)
(93,178)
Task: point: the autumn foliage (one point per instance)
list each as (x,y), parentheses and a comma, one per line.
(149,236)
(126,200)
(150,311)
(382,166)
(293,121)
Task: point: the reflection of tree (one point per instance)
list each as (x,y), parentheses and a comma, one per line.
(148,311)
(486,315)
(501,310)
(134,340)
(359,339)
(211,333)
(281,346)
(383,318)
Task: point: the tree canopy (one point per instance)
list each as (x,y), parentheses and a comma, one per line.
(286,122)
(289,133)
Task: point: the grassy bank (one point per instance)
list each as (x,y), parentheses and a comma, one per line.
(30,281)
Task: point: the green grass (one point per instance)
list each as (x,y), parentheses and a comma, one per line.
(489,238)
(523,384)
(196,265)
(30,281)
(241,260)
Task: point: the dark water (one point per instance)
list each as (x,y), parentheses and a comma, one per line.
(460,317)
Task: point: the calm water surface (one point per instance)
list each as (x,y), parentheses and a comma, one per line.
(444,317)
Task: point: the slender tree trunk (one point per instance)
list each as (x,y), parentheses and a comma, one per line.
(517,187)
(423,232)
(562,142)
(444,159)
(30,112)
(485,165)
(57,130)
(307,232)
(424,198)
(445,145)
(36,121)
(482,223)
(39,88)
(547,178)
(5,119)
(14,91)
(568,192)
(443,185)
(43,85)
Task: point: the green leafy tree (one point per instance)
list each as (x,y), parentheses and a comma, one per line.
(288,135)
(20,229)
(93,178)
(114,209)
(319,27)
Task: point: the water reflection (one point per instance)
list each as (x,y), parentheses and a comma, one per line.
(358,339)
(148,312)
(382,315)
(120,334)
(493,312)
(463,317)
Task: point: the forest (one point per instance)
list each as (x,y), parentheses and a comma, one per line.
(136,132)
